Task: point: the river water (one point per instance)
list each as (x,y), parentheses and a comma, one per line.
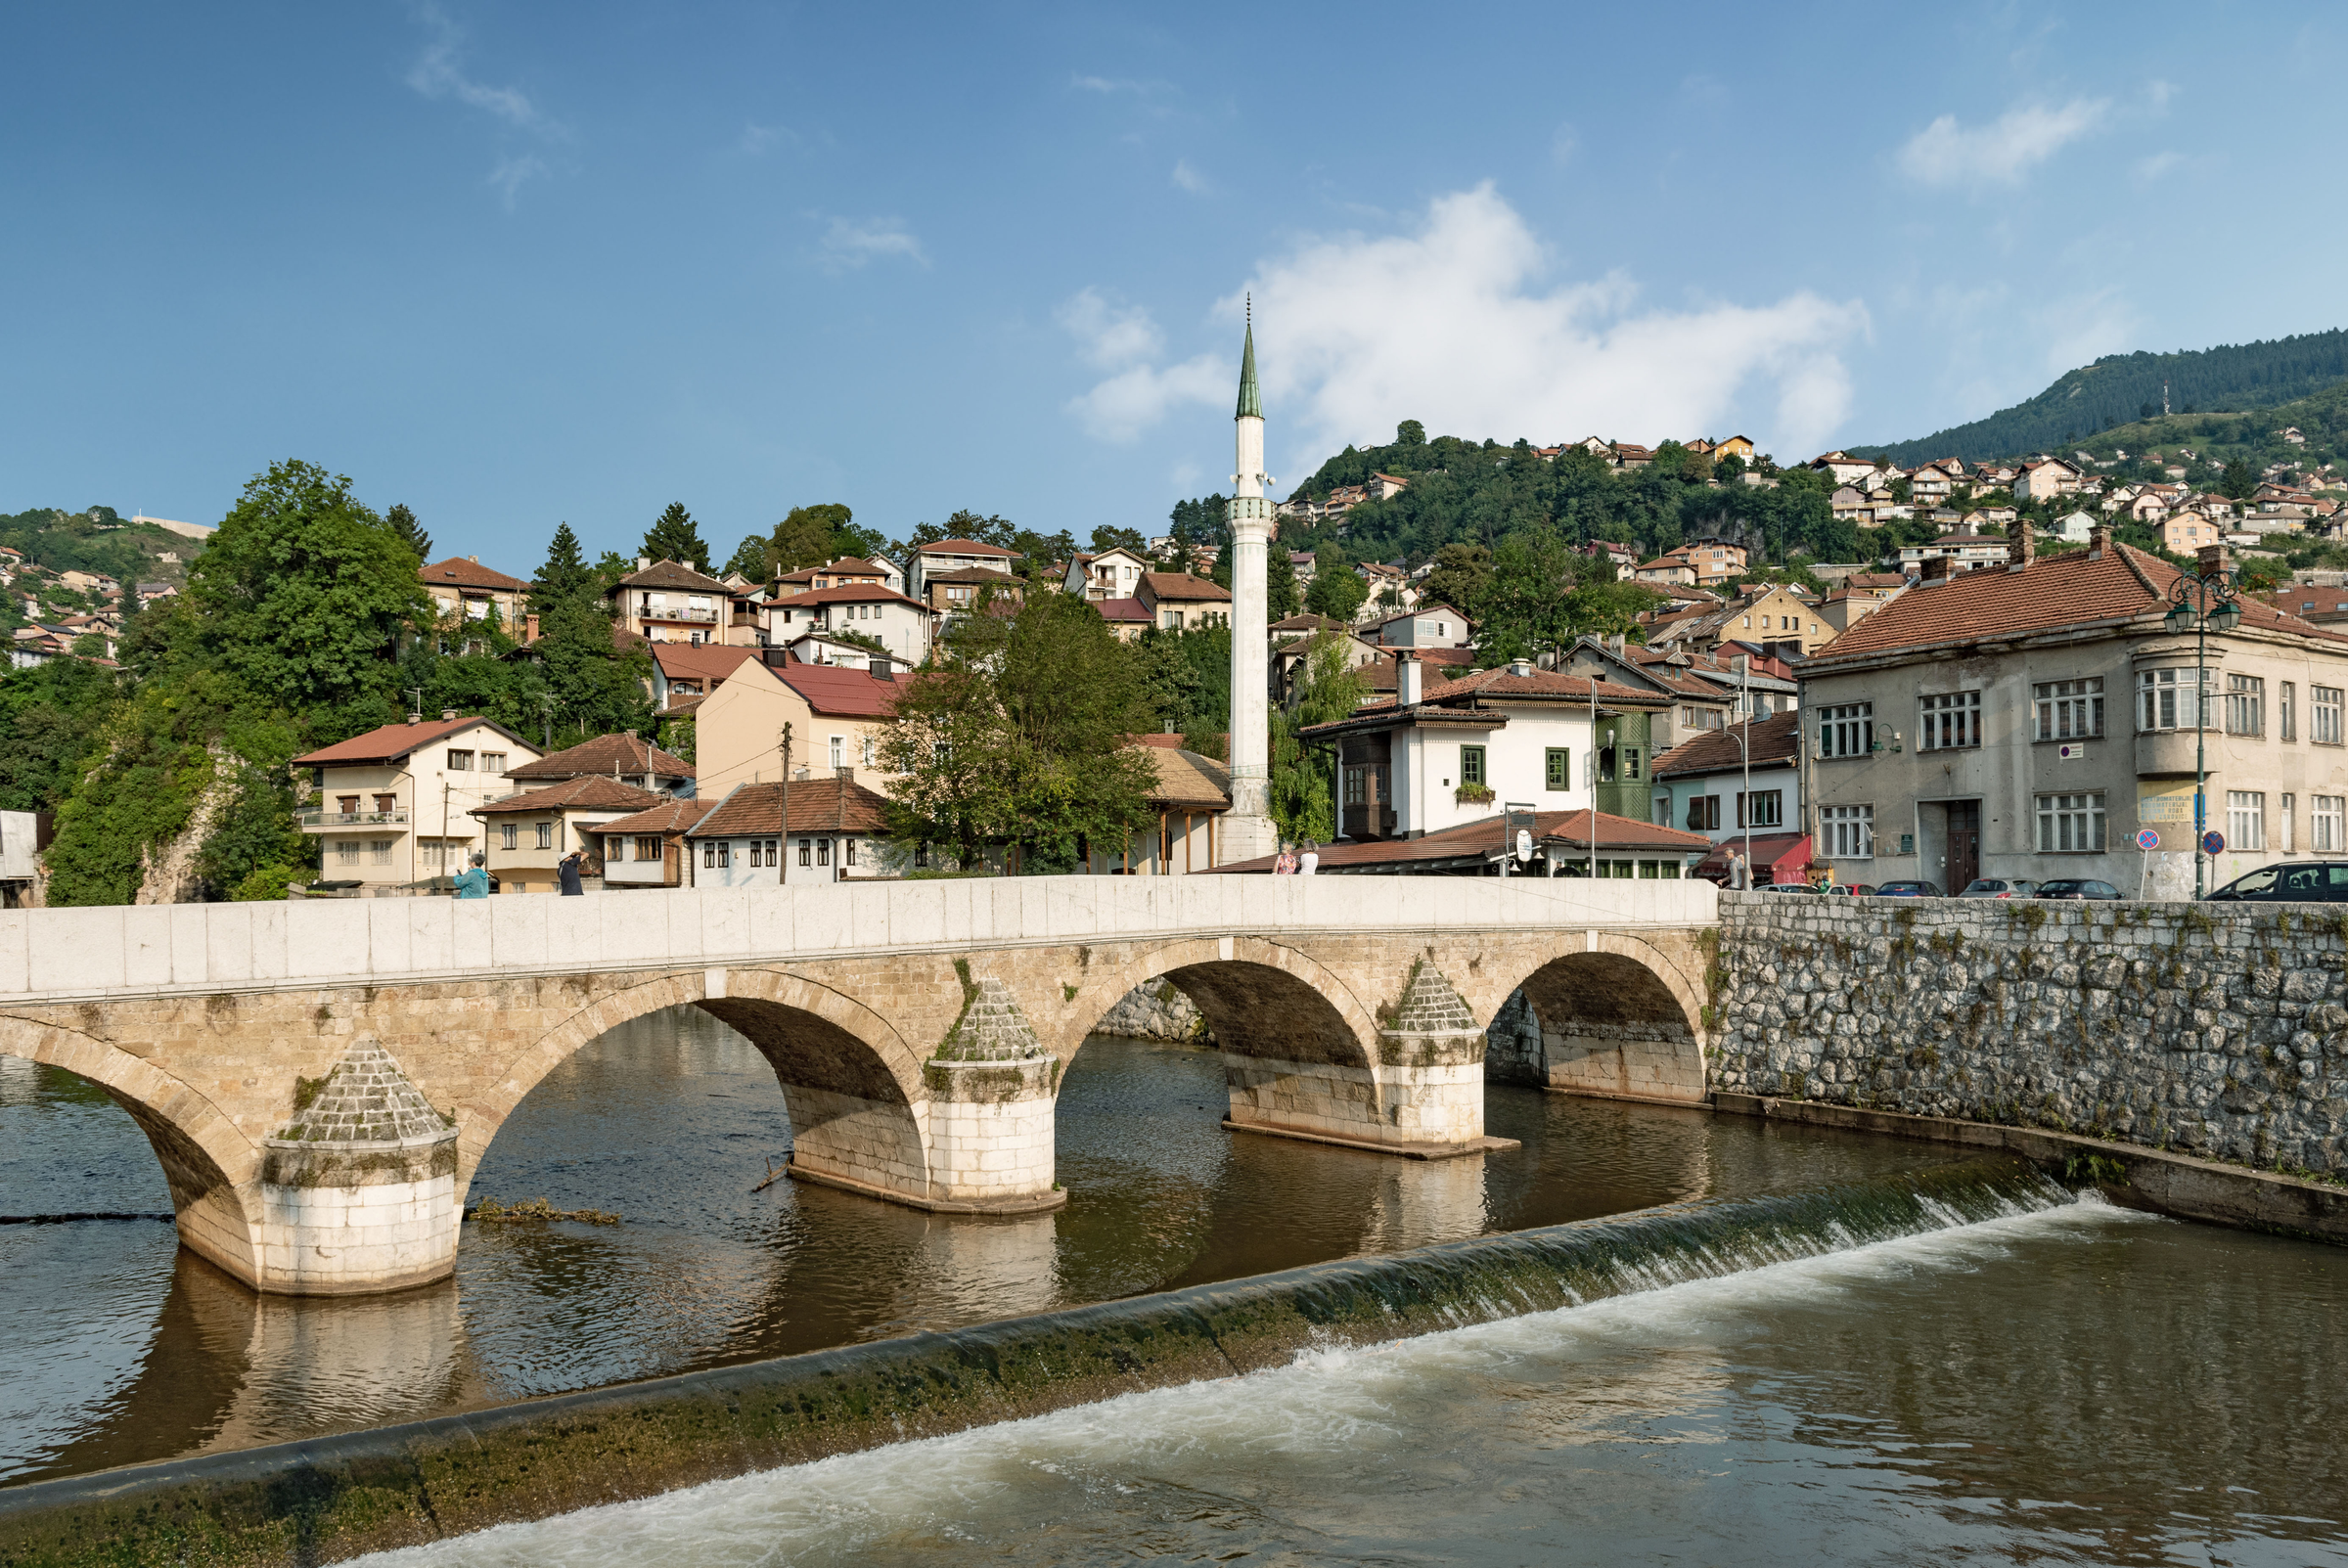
(2074,1384)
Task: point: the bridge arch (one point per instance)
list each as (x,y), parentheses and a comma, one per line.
(1260,999)
(851,1085)
(210,1166)
(1619,1018)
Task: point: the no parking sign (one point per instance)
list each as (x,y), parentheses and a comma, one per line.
(2148,838)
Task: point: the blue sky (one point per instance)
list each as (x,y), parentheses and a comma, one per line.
(517,265)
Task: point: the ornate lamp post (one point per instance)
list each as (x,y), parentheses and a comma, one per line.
(2205,601)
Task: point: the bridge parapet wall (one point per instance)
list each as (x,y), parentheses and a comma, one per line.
(70,954)
(2220,1030)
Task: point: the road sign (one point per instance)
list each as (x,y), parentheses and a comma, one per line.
(2148,838)
(2070,751)
(2213,842)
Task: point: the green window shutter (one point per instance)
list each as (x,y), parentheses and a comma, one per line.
(1471,765)
(1560,767)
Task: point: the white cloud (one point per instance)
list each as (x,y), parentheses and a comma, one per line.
(2080,329)
(1188,178)
(1450,325)
(1945,152)
(1120,340)
(852,241)
(436,73)
(1110,336)
(511,172)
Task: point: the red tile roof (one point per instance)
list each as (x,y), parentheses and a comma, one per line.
(592,794)
(393,741)
(1482,841)
(857,594)
(668,574)
(465,573)
(835,689)
(963,547)
(605,754)
(1122,609)
(817,805)
(845,566)
(700,662)
(1182,587)
(967,574)
(1775,742)
(2070,589)
(668,817)
(1498,684)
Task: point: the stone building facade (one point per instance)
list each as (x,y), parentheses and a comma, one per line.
(2218,1030)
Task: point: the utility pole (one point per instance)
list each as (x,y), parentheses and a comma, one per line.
(782,876)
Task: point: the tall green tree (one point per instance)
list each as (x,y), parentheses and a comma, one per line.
(997,747)
(301,598)
(2238,484)
(1110,537)
(52,723)
(674,536)
(1282,598)
(401,521)
(566,576)
(808,536)
(750,558)
(1326,688)
(1462,577)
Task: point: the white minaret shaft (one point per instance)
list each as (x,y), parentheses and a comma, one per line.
(1247,830)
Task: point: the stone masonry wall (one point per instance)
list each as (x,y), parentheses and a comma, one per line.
(1157,1010)
(2219,1030)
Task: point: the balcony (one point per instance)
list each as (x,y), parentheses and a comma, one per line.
(312,821)
(2169,753)
(677,613)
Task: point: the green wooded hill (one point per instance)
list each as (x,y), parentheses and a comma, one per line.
(2217,439)
(2123,388)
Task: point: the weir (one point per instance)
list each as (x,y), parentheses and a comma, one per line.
(335,1498)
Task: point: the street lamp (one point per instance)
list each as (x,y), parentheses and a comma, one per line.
(2203,602)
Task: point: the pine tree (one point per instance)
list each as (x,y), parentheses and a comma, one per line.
(1281,598)
(401,521)
(564,578)
(675,537)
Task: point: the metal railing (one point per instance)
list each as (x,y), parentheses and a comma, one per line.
(352,818)
(658,612)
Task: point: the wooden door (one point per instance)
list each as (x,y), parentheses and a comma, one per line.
(1964,844)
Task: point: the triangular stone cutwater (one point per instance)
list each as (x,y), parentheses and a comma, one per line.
(365,1099)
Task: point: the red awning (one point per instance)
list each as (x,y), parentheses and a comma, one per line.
(1776,858)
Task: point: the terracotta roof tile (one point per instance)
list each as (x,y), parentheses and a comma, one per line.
(854,594)
(393,742)
(701,662)
(1478,841)
(668,574)
(461,572)
(1772,741)
(592,794)
(668,817)
(1181,586)
(817,805)
(605,755)
(835,689)
(963,547)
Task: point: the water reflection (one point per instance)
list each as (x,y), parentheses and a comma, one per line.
(125,1349)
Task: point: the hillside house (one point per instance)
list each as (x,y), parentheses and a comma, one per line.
(795,832)
(463,589)
(528,835)
(903,627)
(1179,601)
(953,556)
(393,806)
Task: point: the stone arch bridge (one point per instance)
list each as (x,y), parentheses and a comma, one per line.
(320,1080)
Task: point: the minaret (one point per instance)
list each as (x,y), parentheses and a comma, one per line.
(1247,830)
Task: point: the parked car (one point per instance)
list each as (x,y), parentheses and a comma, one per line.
(1908,890)
(2322,881)
(1852,889)
(1785,887)
(2077,887)
(1997,887)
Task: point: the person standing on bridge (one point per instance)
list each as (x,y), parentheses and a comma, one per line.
(1741,876)
(569,874)
(474,880)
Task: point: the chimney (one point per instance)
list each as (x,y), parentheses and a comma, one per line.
(2210,559)
(530,624)
(1519,667)
(1937,571)
(476,560)
(448,714)
(643,564)
(1406,680)
(2098,540)
(2021,547)
(415,718)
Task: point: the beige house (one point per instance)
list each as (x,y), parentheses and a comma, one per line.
(1774,614)
(1191,794)
(528,834)
(662,601)
(836,715)
(393,806)
(2031,721)
(1177,600)
(463,589)
(2044,479)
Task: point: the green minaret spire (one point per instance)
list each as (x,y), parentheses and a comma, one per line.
(1251,401)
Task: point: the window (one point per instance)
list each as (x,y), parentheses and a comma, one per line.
(758,854)
(546,835)
(725,854)
(1764,807)
(1556,771)
(867,751)
(2245,705)
(1848,730)
(2324,715)
(2286,712)
(385,805)
(1630,762)
(847,852)
(493,762)
(709,855)
(2246,819)
(823,852)
(2323,824)
(647,847)
(509,836)
(2164,699)
(350,804)
(2070,825)
(805,851)
(2069,711)
(773,852)
(460,762)
(1704,812)
(1850,831)
(2282,820)
(840,751)
(346,852)
(1471,766)
(1950,721)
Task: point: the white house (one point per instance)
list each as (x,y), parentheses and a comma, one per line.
(1111,574)
(901,625)
(1435,625)
(836,833)
(393,805)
